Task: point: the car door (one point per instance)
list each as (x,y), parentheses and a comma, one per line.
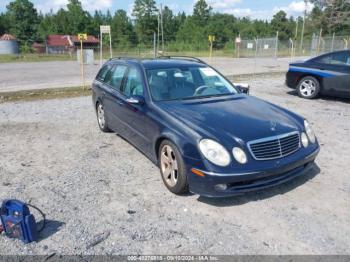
(112,97)
(344,81)
(139,127)
(335,71)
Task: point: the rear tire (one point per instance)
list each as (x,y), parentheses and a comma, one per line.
(101,118)
(172,168)
(308,87)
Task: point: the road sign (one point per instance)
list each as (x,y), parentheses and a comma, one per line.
(82,37)
(211,38)
(105,29)
(238,40)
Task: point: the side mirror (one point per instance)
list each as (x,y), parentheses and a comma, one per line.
(136,100)
(243,87)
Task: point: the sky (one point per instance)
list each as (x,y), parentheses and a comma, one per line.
(256,9)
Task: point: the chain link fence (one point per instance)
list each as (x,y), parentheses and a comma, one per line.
(267,47)
(271,47)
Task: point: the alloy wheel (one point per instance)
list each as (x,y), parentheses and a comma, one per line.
(169,166)
(101,116)
(307,88)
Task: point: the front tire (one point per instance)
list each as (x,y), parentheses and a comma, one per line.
(101,118)
(172,168)
(308,87)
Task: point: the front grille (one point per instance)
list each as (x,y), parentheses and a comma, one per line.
(275,147)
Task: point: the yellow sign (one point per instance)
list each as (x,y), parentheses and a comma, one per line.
(211,38)
(82,37)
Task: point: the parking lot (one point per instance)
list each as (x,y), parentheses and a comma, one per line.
(43,75)
(93,185)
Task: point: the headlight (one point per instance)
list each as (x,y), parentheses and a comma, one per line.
(214,152)
(239,155)
(310,133)
(304,140)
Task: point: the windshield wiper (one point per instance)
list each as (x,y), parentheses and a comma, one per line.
(207,96)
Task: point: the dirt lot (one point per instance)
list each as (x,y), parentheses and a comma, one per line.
(38,75)
(88,183)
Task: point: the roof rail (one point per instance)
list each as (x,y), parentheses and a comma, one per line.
(191,58)
(123,58)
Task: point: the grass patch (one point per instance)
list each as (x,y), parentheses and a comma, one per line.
(35,58)
(40,94)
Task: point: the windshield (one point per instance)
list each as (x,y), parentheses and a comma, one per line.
(187,83)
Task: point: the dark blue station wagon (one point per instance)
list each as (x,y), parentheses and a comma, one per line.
(206,134)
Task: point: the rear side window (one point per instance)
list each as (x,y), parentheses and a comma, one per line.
(115,77)
(102,73)
(342,59)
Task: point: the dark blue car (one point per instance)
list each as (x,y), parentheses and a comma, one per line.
(328,74)
(206,135)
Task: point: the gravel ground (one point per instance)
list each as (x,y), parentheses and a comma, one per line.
(38,75)
(93,185)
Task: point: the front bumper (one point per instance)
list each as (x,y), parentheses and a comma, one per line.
(241,183)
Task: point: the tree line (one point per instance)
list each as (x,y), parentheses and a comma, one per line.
(181,31)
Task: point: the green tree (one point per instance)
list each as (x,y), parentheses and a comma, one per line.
(201,12)
(192,37)
(122,30)
(48,25)
(223,27)
(145,12)
(281,24)
(22,19)
(170,23)
(331,15)
(95,22)
(3,24)
(76,17)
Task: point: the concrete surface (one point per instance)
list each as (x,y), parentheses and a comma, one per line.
(93,185)
(37,75)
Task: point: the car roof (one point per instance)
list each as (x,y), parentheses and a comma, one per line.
(161,63)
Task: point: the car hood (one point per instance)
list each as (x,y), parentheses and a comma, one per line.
(239,117)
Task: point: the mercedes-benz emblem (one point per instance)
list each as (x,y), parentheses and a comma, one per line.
(273,125)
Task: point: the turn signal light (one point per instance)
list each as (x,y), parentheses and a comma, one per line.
(197,172)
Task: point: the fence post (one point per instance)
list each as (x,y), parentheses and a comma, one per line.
(291,53)
(155,44)
(332,47)
(319,42)
(256,56)
(276,48)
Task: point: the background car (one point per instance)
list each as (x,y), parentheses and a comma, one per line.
(206,135)
(328,74)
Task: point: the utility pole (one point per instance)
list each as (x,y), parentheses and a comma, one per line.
(162,28)
(296,28)
(154,45)
(276,47)
(158,32)
(303,28)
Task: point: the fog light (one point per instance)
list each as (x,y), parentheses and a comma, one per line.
(221,187)
(304,140)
